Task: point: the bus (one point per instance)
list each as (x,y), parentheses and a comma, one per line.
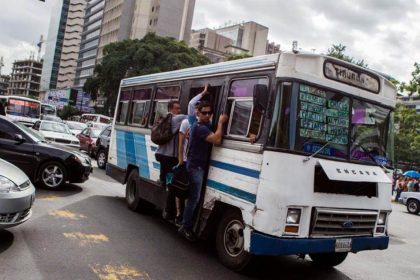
(313,183)
(22,109)
(96,118)
(48,109)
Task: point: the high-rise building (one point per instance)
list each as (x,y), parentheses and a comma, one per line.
(89,41)
(25,78)
(4,84)
(130,19)
(63,44)
(211,44)
(248,36)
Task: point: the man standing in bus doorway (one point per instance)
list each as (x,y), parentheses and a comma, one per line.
(201,139)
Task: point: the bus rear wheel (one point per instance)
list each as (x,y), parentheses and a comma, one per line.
(230,241)
(132,193)
(328,259)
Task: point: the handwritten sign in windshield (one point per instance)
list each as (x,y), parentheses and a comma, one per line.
(323,116)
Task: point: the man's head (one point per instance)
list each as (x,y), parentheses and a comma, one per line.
(174,107)
(204,111)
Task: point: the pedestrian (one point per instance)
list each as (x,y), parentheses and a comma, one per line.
(416,185)
(201,139)
(410,185)
(400,189)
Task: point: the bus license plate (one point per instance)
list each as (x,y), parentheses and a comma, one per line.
(343,245)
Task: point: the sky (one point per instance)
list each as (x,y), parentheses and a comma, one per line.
(385,33)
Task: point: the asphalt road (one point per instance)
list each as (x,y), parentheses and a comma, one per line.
(86,231)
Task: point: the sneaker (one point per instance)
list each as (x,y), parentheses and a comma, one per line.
(186,233)
(178,221)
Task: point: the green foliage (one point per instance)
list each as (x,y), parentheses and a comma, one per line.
(68,111)
(413,87)
(129,58)
(407,144)
(92,86)
(337,51)
(237,56)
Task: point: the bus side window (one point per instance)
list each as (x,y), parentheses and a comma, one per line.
(139,114)
(160,103)
(244,119)
(123,106)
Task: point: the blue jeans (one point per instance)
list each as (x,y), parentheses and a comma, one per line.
(196,176)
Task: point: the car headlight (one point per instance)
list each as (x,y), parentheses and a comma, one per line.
(7,186)
(293,216)
(382,218)
(49,138)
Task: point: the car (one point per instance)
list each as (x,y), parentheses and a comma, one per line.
(46,164)
(56,132)
(411,200)
(102,147)
(51,118)
(87,140)
(76,127)
(97,125)
(17,195)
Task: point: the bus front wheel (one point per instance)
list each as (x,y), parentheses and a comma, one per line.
(132,194)
(230,241)
(328,259)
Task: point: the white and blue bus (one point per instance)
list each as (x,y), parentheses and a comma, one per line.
(23,109)
(314,181)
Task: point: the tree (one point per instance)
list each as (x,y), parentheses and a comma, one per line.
(407,144)
(413,87)
(129,58)
(237,56)
(337,51)
(68,111)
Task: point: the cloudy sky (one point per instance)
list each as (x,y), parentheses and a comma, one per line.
(386,33)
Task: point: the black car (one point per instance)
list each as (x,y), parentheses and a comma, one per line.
(45,164)
(102,147)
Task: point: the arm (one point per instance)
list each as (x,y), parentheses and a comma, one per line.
(193,102)
(216,137)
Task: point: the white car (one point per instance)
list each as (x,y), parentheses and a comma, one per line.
(76,127)
(411,200)
(56,132)
(17,195)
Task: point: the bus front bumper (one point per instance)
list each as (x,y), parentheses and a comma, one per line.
(262,244)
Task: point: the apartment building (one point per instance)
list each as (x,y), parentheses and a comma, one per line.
(25,78)
(211,44)
(4,84)
(412,102)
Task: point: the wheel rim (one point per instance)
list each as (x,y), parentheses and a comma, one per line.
(52,176)
(132,192)
(412,206)
(233,238)
(101,159)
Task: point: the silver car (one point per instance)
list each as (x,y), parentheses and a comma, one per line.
(411,200)
(17,195)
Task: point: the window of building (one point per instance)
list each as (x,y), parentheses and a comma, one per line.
(123,105)
(244,119)
(160,103)
(140,107)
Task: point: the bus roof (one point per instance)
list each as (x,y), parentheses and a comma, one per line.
(19,97)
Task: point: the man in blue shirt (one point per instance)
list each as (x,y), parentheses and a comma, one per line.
(201,140)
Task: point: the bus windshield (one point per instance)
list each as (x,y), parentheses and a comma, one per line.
(23,108)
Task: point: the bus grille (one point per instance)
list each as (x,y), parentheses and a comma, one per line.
(341,222)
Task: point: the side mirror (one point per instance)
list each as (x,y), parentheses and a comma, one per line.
(19,138)
(260,97)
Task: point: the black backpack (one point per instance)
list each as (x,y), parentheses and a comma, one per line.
(162,131)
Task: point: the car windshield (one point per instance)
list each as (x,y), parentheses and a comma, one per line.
(34,135)
(76,125)
(55,127)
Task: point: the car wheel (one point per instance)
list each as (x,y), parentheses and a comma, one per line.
(230,241)
(101,159)
(132,194)
(328,259)
(52,175)
(413,206)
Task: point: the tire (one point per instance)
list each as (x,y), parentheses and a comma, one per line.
(328,259)
(132,189)
(230,241)
(101,159)
(413,206)
(52,175)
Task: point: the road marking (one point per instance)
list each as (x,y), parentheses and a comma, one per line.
(86,239)
(66,214)
(118,272)
(48,197)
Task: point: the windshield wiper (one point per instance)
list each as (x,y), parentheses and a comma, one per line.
(369,154)
(316,152)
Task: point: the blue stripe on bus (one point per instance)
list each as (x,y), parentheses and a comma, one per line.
(156,165)
(121,156)
(232,191)
(236,169)
(130,151)
(141,155)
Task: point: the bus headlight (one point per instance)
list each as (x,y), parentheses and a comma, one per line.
(382,218)
(293,216)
